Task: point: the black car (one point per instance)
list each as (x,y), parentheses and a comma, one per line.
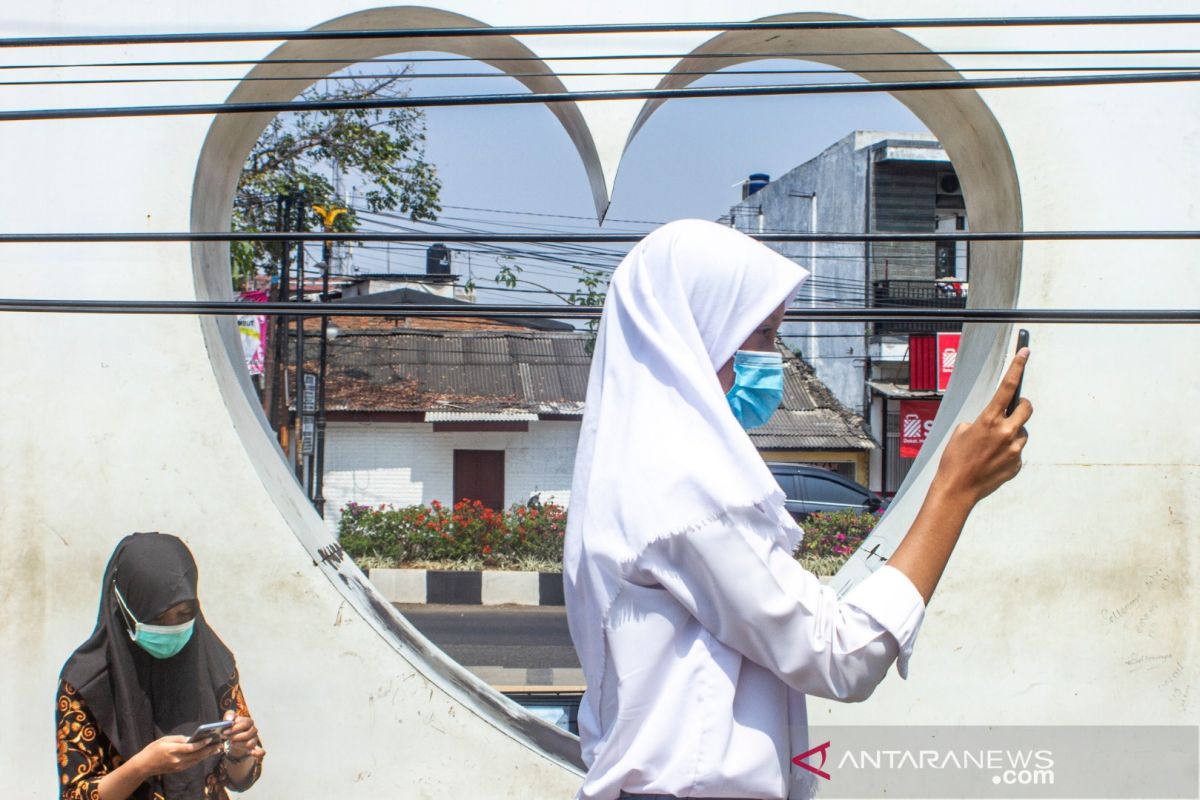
(813,489)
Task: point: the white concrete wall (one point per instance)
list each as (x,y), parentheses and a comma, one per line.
(115,423)
(408,463)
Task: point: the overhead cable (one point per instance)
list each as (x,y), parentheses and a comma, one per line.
(761,55)
(599,74)
(616,238)
(858,314)
(484,31)
(586,96)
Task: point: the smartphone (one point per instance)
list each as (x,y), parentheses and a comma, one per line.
(1022,341)
(210,731)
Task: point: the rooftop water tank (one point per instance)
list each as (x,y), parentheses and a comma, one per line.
(756,181)
(437,260)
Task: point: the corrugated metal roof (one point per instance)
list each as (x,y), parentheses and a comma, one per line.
(507,375)
(420,370)
(810,416)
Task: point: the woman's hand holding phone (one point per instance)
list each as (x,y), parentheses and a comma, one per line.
(983,455)
(175,754)
(243,738)
(979,458)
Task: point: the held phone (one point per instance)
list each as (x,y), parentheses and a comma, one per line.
(211,731)
(1022,341)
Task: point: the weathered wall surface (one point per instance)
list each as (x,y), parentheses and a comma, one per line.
(1067,581)
(408,463)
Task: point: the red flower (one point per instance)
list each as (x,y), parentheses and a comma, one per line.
(487,549)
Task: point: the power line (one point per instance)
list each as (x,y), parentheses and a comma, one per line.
(580,257)
(859,314)
(583,96)
(545,214)
(624,28)
(899,259)
(845,290)
(758,55)
(570,238)
(605,74)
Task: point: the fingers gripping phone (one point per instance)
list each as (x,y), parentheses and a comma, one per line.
(211,731)
(1022,341)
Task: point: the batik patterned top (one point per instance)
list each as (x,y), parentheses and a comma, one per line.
(85,754)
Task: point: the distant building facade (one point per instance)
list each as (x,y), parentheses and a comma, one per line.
(420,408)
(878,182)
(416,415)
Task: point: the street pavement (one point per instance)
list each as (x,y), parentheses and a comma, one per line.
(507,646)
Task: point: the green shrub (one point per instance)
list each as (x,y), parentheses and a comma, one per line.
(467,532)
(474,536)
(834,534)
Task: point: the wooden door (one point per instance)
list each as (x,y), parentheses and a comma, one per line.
(479,475)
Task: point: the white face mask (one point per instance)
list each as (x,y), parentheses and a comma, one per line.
(160,641)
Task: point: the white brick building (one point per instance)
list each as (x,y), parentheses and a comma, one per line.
(416,415)
(407,463)
(493,414)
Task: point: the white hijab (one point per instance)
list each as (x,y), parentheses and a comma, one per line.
(660,452)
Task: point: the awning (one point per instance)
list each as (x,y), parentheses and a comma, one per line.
(480,416)
(900,391)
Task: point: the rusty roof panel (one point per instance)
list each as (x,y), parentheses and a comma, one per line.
(543,372)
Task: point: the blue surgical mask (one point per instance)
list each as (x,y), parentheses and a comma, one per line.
(757,387)
(160,641)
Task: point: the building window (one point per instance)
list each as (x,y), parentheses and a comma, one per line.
(479,475)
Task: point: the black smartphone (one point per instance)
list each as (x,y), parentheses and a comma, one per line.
(1022,341)
(211,732)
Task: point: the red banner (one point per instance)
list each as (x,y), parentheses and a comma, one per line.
(947,354)
(916,420)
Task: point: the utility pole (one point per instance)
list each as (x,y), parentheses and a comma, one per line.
(302,442)
(328,217)
(275,368)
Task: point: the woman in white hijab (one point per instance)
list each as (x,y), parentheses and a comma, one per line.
(698,633)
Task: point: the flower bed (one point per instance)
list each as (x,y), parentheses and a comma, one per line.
(470,536)
(833,534)
(467,532)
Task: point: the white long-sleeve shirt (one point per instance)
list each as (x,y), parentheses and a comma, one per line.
(711,645)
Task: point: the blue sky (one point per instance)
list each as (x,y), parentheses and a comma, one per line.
(687,161)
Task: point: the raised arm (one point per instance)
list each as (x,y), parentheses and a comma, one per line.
(979,458)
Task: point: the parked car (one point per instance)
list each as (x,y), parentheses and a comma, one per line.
(812,489)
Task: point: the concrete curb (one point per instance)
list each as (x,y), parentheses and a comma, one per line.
(486,587)
(477,588)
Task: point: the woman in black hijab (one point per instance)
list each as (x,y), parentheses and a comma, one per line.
(152,671)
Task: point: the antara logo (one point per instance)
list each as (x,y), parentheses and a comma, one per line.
(823,749)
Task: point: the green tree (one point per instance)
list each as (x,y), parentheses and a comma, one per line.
(298,152)
(591,288)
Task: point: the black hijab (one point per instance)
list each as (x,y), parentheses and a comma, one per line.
(135,697)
